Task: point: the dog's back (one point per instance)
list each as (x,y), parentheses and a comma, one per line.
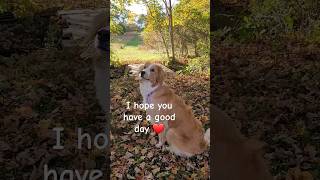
(185,135)
(236,157)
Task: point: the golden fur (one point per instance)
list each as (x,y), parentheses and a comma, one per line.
(235,153)
(185,134)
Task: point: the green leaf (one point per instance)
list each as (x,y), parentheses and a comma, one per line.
(289,22)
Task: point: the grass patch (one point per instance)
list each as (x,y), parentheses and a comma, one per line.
(128,49)
(135,41)
(130,54)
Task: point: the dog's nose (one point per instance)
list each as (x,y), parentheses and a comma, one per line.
(142,73)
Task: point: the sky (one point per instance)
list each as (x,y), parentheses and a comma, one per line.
(141,9)
(138,8)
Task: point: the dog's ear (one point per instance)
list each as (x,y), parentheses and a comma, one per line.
(160,75)
(146,65)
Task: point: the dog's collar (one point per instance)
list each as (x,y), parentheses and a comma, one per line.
(150,94)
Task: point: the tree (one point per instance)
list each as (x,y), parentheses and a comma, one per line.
(192,25)
(168,7)
(131,24)
(184,25)
(118,16)
(156,22)
(141,21)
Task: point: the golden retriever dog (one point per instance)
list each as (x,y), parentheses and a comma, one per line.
(235,156)
(185,134)
(97,49)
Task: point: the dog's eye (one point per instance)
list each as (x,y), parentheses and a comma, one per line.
(152,70)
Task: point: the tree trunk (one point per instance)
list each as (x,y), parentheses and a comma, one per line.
(169,14)
(171,30)
(165,45)
(184,49)
(160,31)
(196,49)
(181,49)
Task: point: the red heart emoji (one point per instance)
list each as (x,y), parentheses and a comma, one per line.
(158,128)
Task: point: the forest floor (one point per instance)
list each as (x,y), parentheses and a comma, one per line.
(274,94)
(134,154)
(39,91)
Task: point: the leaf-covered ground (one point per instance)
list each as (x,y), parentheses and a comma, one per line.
(134,155)
(40,91)
(273,91)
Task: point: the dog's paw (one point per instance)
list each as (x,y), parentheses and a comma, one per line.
(169,149)
(165,149)
(153,134)
(160,144)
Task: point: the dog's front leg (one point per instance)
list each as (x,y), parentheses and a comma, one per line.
(162,140)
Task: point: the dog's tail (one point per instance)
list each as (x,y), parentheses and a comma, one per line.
(207,136)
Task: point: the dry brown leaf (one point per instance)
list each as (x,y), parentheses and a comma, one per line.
(25,111)
(43,128)
(297,174)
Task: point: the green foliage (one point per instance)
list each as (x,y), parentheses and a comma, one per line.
(220,34)
(116,28)
(155,19)
(198,65)
(152,40)
(268,17)
(191,27)
(193,14)
(314,34)
(23,8)
(121,19)
(203,47)
(114,59)
(3,6)
(192,19)
(141,21)
(118,16)
(20,8)
(275,18)
(155,34)
(135,41)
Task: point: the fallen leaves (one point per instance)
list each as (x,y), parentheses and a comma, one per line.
(47,89)
(297,174)
(25,111)
(274,94)
(134,155)
(44,128)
